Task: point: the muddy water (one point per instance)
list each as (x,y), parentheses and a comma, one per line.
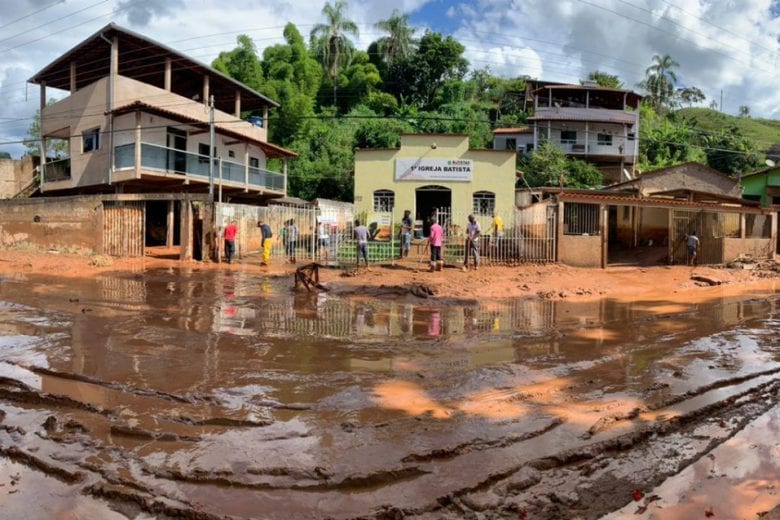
(209,394)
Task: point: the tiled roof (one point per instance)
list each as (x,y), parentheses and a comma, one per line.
(516,130)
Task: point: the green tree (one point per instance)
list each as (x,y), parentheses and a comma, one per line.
(419,77)
(5,155)
(399,42)
(690,95)
(605,80)
(242,63)
(55,148)
(660,79)
(360,80)
(549,166)
(330,42)
(663,142)
(730,152)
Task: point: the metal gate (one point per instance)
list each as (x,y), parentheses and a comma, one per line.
(710,228)
(123,228)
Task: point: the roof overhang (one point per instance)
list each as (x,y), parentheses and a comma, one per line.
(271,150)
(141,58)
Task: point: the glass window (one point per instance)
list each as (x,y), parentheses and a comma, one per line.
(231,154)
(254,162)
(384,200)
(484,203)
(604,139)
(568,137)
(511,144)
(91,140)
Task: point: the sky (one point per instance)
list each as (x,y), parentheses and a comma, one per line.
(722,45)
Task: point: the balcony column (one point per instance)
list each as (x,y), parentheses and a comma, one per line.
(587,99)
(72,77)
(587,138)
(42,142)
(549,130)
(206,90)
(137,150)
(246,166)
(284,170)
(265,120)
(168,73)
(169,225)
(238,104)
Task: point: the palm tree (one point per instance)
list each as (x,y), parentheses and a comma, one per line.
(660,79)
(332,47)
(400,39)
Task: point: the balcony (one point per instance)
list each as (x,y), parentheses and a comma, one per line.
(155,158)
(58,170)
(595,148)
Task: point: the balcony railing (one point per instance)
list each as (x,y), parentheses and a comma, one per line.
(170,160)
(58,170)
(594,148)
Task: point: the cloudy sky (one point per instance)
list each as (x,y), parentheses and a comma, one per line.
(728,45)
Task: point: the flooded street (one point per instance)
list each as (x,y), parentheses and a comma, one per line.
(211,394)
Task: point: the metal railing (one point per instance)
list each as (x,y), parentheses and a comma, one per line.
(171,160)
(58,170)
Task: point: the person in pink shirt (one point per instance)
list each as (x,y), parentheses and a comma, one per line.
(435,242)
(230,240)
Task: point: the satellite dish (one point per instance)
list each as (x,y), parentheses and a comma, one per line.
(770,163)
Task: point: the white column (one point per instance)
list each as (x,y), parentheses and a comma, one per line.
(72,77)
(238,104)
(168,73)
(206,90)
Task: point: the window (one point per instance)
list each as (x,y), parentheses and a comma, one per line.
(580,219)
(511,144)
(231,154)
(604,139)
(568,137)
(529,148)
(484,202)
(203,151)
(631,136)
(758,226)
(384,200)
(254,162)
(91,140)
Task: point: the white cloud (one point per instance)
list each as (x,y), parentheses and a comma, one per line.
(720,44)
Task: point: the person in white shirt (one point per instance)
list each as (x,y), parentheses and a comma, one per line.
(693,247)
(473,233)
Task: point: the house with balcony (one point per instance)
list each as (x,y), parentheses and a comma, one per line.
(138,119)
(596,124)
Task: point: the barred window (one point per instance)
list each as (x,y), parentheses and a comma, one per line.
(604,139)
(580,219)
(484,202)
(384,200)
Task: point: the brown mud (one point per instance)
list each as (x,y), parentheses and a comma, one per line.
(172,390)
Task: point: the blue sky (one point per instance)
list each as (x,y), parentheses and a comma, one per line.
(720,44)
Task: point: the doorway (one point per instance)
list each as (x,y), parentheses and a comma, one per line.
(177,150)
(429,199)
(162,228)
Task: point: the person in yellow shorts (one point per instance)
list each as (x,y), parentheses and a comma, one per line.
(498,234)
(266,241)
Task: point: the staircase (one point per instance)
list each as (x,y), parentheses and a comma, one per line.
(33,186)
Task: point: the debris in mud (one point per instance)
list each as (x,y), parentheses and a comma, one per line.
(308,276)
(705,279)
(637,495)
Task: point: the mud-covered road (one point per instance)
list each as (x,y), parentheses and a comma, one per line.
(211,394)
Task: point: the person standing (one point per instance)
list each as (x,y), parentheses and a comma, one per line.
(361,235)
(266,241)
(498,233)
(230,240)
(323,239)
(406,233)
(693,247)
(435,243)
(291,235)
(473,233)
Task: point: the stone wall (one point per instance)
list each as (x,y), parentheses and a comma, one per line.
(15,175)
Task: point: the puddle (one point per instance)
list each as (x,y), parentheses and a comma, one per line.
(227,393)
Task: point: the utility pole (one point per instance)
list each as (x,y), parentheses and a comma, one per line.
(212,141)
(721,101)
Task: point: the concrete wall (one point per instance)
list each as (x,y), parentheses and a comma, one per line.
(579,251)
(757,247)
(761,184)
(72,224)
(521,141)
(494,171)
(653,225)
(692,176)
(15,175)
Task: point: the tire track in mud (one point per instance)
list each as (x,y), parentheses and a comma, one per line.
(519,488)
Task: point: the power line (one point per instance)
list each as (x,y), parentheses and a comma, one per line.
(32,13)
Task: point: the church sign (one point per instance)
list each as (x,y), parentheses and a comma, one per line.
(459,170)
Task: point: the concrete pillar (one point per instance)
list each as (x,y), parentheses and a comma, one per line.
(284,170)
(604,225)
(742,229)
(559,231)
(169,225)
(246,166)
(72,77)
(206,92)
(42,142)
(137,144)
(168,74)
(238,104)
(185,230)
(670,233)
(265,119)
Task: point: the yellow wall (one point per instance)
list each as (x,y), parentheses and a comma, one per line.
(493,170)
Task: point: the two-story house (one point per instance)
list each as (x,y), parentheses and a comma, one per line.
(596,124)
(138,119)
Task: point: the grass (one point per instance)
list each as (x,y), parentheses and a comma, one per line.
(764,132)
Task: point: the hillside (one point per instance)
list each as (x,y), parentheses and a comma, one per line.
(765,132)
